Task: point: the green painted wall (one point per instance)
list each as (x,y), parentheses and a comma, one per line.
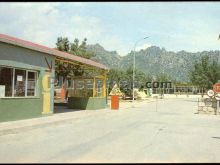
(87,103)
(20,108)
(10,54)
(18,57)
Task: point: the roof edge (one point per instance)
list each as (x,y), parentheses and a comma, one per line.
(40,48)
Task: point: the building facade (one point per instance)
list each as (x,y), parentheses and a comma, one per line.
(27,73)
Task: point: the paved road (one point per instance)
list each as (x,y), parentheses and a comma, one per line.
(166,131)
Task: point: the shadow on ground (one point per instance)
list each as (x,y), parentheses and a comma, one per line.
(62,108)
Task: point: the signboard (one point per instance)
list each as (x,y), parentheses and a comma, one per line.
(19,78)
(210,93)
(2,90)
(216,88)
(217,96)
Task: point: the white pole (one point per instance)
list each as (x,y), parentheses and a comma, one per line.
(133,74)
(134,66)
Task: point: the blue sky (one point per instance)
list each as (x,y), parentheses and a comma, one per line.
(175,26)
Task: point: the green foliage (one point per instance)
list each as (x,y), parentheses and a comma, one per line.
(63,44)
(74,48)
(116,75)
(81,50)
(205,73)
(67,70)
(124,79)
(140,77)
(163,77)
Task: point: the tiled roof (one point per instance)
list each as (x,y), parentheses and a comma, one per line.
(44,49)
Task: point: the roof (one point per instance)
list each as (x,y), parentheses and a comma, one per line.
(40,48)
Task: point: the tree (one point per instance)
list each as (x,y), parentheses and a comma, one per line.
(63,44)
(124,79)
(81,49)
(67,70)
(74,48)
(115,76)
(205,73)
(162,77)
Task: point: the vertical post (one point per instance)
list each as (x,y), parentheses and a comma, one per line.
(46,93)
(74,88)
(94,87)
(106,96)
(26,83)
(52,87)
(104,84)
(217,108)
(134,65)
(13,82)
(133,74)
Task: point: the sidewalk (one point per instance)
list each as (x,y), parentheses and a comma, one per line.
(27,124)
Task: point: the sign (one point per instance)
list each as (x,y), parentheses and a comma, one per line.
(19,78)
(210,93)
(217,96)
(2,90)
(216,88)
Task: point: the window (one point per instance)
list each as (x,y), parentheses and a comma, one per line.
(60,81)
(85,87)
(99,86)
(89,88)
(17,82)
(31,83)
(79,91)
(6,79)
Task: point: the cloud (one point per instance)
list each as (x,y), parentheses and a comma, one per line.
(31,21)
(114,42)
(86,26)
(194,30)
(44,22)
(144,46)
(198,35)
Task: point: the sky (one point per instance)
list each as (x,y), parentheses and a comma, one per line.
(117,26)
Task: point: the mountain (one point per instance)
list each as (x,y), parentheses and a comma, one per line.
(109,58)
(153,60)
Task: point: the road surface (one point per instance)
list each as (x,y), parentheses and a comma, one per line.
(164,131)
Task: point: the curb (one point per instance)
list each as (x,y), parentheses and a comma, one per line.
(15,130)
(13,127)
